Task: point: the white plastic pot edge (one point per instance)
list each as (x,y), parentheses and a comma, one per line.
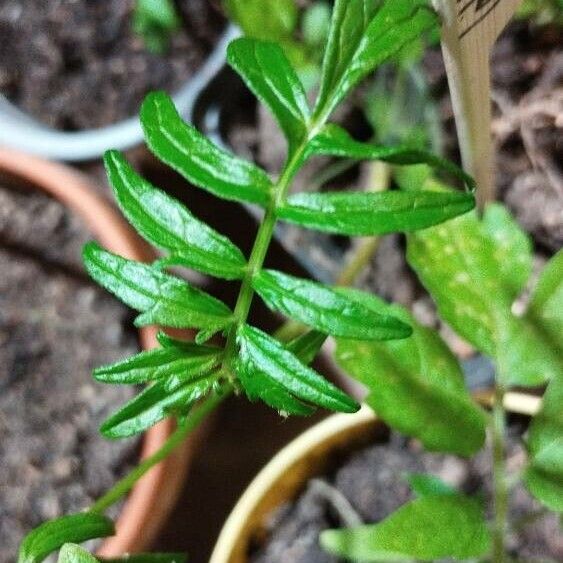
(19,131)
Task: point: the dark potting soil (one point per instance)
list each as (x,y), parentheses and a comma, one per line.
(55,327)
(75,64)
(369,485)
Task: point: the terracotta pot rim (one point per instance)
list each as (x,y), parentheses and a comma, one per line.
(254,505)
(151,500)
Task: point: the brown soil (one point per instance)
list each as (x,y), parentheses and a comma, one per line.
(372,483)
(55,327)
(78,64)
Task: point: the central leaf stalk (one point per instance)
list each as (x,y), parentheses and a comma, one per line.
(264,237)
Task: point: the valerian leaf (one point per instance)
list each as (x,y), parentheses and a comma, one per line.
(156,402)
(363,35)
(268,73)
(72,553)
(181,360)
(52,535)
(544,475)
(196,158)
(161,298)
(416,386)
(270,372)
(335,141)
(333,311)
(428,528)
(166,223)
(474,290)
(374,213)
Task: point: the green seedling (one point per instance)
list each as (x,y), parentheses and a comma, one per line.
(156,21)
(188,380)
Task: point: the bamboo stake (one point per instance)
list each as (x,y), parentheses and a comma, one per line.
(470,30)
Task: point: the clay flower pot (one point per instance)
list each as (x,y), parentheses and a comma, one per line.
(308,456)
(153,497)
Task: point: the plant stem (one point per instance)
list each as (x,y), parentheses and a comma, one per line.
(338,501)
(499,476)
(190,423)
(361,256)
(263,240)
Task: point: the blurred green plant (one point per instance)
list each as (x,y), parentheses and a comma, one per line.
(302,33)
(475,268)
(542,11)
(156,21)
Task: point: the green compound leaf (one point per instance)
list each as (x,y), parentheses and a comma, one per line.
(196,158)
(161,298)
(270,372)
(350,20)
(545,486)
(544,475)
(166,223)
(429,485)
(372,213)
(416,386)
(363,35)
(181,360)
(269,74)
(474,288)
(428,528)
(338,312)
(72,553)
(155,21)
(52,535)
(273,20)
(156,402)
(335,141)
(307,346)
(511,247)
(546,306)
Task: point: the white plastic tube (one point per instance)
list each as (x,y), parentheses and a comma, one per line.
(19,131)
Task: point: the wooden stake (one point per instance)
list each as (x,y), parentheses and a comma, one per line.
(470,29)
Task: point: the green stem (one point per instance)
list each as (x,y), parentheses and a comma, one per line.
(262,242)
(290,330)
(190,423)
(499,476)
(358,261)
(330,172)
